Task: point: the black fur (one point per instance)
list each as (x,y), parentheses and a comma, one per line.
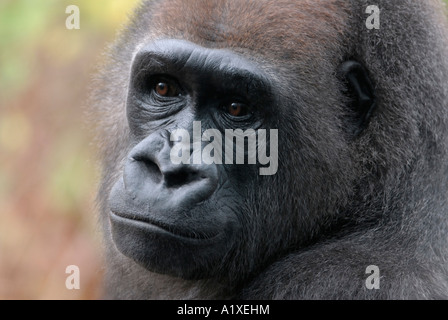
(340,201)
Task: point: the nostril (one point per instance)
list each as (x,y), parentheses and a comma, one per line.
(181,177)
(151,169)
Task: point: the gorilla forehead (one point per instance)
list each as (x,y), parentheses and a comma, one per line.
(307,29)
(187,55)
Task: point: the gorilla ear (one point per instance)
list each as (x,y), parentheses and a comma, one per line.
(360,90)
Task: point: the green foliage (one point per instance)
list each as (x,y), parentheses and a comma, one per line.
(28,24)
(21,24)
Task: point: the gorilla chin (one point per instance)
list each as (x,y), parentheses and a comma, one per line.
(152,240)
(162,251)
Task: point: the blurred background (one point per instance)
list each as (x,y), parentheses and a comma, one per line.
(48,172)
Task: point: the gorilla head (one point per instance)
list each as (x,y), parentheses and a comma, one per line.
(340,159)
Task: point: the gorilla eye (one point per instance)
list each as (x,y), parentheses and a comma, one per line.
(166,89)
(237,109)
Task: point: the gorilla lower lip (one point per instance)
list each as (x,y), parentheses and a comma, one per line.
(183,233)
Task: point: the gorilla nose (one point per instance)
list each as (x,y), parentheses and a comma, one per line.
(151,179)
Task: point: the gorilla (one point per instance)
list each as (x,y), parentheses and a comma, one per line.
(358,117)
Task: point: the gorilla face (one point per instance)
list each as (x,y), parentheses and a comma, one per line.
(193,219)
(184,219)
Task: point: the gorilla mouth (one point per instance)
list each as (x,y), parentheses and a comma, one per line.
(176,231)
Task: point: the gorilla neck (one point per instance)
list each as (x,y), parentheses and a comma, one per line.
(188,289)
(125,279)
(146,285)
